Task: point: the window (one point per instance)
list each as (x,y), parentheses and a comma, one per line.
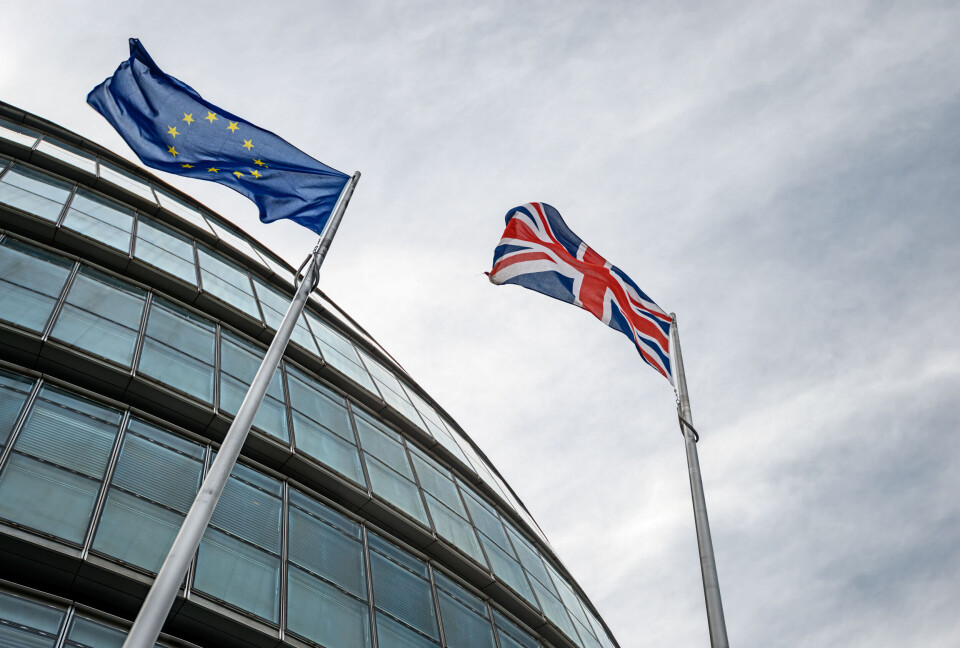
(239,361)
(165,249)
(59,458)
(126,181)
(391,390)
(239,557)
(101,315)
(236,242)
(28,624)
(184,211)
(100,219)
(401,589)
(339,353)
(14,391)
(17,133)
(152,488)
(388,467)
(69,154)
(510,635)
(86,633)
(446,507)
(31,281)
(178,349)
(321,425)
(466,621)
(34,192)
(327,586)
(227,281)
(274,305)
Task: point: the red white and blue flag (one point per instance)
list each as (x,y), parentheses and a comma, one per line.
(538,251)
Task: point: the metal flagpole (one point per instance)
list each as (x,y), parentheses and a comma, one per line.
(153,613)
(708,564)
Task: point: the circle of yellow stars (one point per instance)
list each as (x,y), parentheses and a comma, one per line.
(232,126)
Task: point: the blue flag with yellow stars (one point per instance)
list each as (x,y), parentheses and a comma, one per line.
(170,127)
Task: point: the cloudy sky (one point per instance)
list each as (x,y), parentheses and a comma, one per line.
(784,176)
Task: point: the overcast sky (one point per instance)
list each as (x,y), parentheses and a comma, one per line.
(784,176)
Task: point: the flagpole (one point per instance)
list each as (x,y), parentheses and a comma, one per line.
(708,564)
(156,607)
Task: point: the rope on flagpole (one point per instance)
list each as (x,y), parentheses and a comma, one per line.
(685,423)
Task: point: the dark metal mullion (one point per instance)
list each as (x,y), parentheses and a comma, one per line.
(370,602)
(287,406)
(420,489)
(360,451)
(18,424)
(66,206)
(60,301)
(256,297)
(65,628)
(133,235)
(105,485)
(436,603)
(191,570)
(141,333)
(284,558)
(218,340)
(476,530)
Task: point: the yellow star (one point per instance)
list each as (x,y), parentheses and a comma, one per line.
(213,170)
(248,144)
(255,173)
(172,130)
(238,174)
(211,117)
(174,151)
(233,128)
(187,166)
(260,163)
(187,117)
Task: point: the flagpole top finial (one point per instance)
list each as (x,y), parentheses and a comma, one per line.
(673,316)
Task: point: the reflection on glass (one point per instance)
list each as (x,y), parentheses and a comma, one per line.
(59,459)
(227,281)
(126,181)
(165,249)
(401,588)
(465,617)
(102,315)
(69,154)
(17,133)
(14,390)
(34,192)
(178,349)
(100,219)
(28,623)
(184,211)
(274,305)
(339,353)
(31,281)
(239,361)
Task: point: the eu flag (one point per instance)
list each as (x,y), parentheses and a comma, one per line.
(170,127)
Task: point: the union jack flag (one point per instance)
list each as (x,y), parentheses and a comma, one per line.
(538,251)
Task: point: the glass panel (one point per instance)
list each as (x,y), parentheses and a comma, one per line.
(327,552)
(383,444)
(485,518)
(436,480)
(322,613)
(28,624)
(239,361)
(391,390)
(126,181)
(89,634)
(250,514)
(465,624)
(327,447)
(69,154)
(227,281)
(184,211)
(178,349)
(553,609)
(403,594)
(165,249)
(30,283)
(508,570)
(34,192)
(392,634)
(17,133)
(14,391)
(397,490)
(101,315)
(278,268)
(455,529)
(570,600)
(510,635)
(529,557)
(235,241)
(340,354)
(320,404)
(136,531)
(274,305)
(238,574)
(100,219)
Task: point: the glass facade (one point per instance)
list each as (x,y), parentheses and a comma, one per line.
(286,551)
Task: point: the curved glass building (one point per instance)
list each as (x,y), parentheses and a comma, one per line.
(360,514)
